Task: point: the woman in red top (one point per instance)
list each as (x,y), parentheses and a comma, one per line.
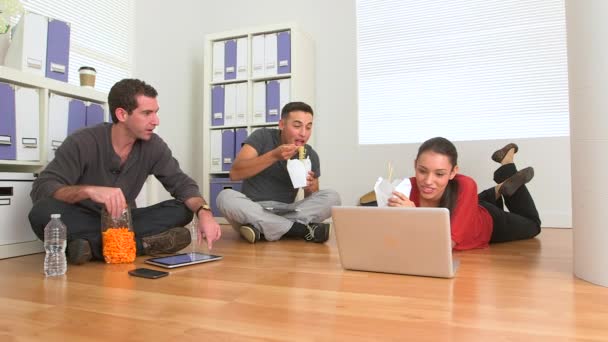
(476,220)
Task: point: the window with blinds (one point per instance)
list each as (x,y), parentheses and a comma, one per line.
(462,69)
(100,36)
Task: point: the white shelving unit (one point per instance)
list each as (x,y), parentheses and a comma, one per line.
(301,83)
(45,87)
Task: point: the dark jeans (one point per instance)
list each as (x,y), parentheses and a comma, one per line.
(85,223)
(521,221)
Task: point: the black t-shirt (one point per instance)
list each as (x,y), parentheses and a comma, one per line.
(273,183)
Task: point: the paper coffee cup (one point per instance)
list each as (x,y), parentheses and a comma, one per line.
(87,76)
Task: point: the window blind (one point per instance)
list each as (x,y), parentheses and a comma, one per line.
(462,69)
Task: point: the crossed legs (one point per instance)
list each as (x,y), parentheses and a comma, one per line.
(522,220)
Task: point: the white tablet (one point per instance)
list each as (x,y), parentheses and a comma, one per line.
(185,259)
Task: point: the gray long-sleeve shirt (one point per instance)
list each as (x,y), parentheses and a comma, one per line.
(87,157)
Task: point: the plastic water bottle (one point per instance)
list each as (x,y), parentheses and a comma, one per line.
(55,243)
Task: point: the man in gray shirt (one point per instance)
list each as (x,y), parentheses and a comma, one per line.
(266,205)
(106,166)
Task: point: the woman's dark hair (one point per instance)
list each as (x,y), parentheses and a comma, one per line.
(445,147)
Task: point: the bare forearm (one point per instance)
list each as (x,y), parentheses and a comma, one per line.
(112,198)
(245,168)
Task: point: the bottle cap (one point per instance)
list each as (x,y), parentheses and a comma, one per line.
(55,216)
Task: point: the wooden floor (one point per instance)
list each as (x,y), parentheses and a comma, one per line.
(292,290)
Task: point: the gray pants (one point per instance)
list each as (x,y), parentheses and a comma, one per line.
(238,209)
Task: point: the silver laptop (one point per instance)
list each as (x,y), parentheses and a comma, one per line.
(414,241)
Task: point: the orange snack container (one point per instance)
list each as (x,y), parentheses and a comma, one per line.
(118,238)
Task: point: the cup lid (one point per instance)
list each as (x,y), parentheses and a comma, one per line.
(87,68)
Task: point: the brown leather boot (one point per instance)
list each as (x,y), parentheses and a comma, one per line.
(79,252)
(167,242)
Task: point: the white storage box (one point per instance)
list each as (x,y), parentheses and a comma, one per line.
(16,235)
(27,51)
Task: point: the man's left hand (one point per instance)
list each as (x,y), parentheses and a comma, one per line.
(208,228)
(312,184)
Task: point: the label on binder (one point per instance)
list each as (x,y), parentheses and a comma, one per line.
(29,142)
(5,140)
(34,63)
(59,68)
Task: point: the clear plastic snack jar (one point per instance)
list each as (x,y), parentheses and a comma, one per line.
(118,237)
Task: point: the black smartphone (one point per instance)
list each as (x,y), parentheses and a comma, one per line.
(148,273)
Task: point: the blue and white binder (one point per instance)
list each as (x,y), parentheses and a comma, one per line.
(241,59)
(259,103)
(230,60)
(227,149)
(94,114)
(242,98)
(215,150)
(59,106)
(58,50)
(217,105)
(230,104)
(270,54)
(218,61)
(239,137)
(27,51)
(27,123)
(8,149)
(284,52)
(273,101)
(257,56)
(77,115)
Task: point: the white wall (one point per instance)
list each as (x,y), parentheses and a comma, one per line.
(169,55)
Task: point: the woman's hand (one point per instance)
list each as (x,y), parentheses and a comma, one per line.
(400,200)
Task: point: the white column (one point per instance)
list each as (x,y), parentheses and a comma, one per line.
(587,29)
